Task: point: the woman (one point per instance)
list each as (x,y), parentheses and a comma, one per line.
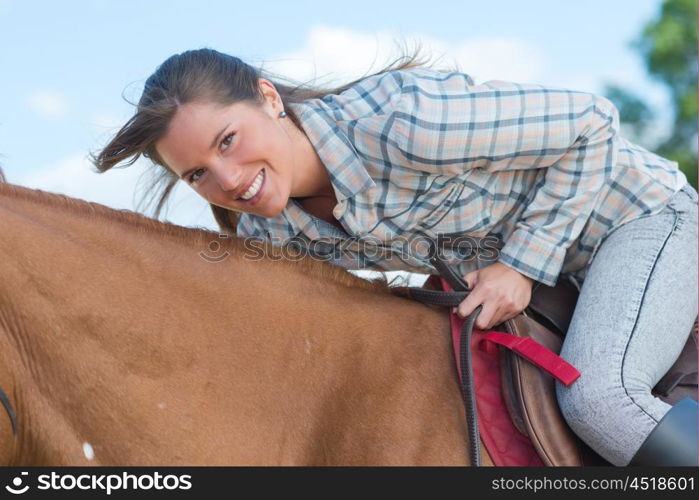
(538,180)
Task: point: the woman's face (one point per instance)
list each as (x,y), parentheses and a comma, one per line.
(239,157)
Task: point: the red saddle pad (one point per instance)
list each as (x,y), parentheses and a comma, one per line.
(505,444)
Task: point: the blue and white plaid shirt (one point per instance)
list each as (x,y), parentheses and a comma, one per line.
(526,175)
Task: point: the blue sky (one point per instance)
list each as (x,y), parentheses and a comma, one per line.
(65,65)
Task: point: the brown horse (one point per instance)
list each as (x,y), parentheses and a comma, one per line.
(121,345)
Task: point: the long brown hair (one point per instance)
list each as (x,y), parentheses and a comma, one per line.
(211,76)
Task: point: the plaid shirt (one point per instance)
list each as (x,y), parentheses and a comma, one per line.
(526,175)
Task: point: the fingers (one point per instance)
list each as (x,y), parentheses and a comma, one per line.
(487,318)
(501,292)
(469,304)
(471,279)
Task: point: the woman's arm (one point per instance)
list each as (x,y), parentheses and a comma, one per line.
(443,125)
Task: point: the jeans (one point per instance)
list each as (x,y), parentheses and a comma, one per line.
(634,313)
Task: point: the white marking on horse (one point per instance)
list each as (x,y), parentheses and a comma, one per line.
(161,406)
(88,451)
(307,346)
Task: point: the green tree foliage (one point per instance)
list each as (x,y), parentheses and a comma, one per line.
(634,113)
(669,48)
(668,45)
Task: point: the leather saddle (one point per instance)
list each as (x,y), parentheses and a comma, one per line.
(529,392)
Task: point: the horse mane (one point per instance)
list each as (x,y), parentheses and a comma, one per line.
(194,236)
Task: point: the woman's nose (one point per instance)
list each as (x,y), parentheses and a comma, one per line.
(228,179)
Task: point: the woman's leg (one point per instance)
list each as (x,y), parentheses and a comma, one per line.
(635,310)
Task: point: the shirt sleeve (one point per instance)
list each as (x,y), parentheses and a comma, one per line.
(446,126)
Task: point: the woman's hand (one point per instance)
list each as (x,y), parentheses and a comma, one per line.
(503,292)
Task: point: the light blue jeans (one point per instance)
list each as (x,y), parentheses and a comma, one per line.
(634,313)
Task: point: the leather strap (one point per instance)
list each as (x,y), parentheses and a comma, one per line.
(10,410)
(538,354)
(453,299)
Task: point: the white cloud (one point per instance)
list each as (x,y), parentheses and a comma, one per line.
(500,59)
(48,104)
(73,176)
(337,55)
(105,123)
(333,55)
(119,188)
(107,120)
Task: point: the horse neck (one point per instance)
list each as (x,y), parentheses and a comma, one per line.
(86,300)
(105,319)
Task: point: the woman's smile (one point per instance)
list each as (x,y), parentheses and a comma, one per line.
(254,192)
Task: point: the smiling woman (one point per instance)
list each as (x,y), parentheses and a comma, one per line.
(215,121)
(538,179)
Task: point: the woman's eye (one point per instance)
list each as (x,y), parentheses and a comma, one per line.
(227,141)
(195,176)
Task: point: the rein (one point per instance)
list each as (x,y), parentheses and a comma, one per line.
(453,299)
(10,410)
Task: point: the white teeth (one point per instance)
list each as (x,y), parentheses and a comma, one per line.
(252,190)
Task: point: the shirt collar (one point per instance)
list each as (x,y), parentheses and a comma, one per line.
(348,175)
(293,221)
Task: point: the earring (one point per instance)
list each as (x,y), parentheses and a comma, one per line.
(282,114)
